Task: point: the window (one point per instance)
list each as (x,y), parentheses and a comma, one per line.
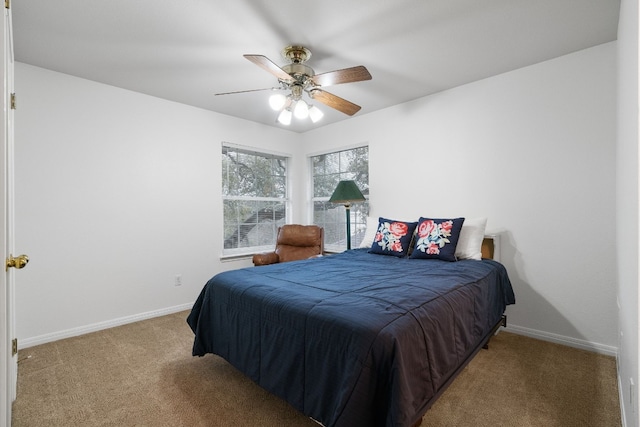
(254,196)
(327,170)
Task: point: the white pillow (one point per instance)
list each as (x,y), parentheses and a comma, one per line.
(370,233)
(470,240)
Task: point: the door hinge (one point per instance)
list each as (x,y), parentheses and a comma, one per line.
(13,101)
(14,347)
(7,4)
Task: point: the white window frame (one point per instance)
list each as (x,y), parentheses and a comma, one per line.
(357,227)
(250,250)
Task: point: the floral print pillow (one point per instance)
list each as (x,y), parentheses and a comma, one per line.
(437,238)
(393,237)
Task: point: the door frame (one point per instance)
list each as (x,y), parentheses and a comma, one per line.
(8,361)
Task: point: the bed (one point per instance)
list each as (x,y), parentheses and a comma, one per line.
(355,338)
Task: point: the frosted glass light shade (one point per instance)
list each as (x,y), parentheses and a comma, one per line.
(285,117)
(301,110)
(276,101)
(315,113)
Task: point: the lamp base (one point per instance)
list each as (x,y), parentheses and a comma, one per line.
(347,209)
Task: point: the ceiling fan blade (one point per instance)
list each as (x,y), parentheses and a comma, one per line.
(347,75)
(270,66)
(335,102)
(244,91)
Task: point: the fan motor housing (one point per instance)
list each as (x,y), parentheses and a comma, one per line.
(298,70)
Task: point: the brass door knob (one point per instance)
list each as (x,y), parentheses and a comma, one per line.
(18,262)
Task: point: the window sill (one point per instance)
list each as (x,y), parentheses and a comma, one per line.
(239,257)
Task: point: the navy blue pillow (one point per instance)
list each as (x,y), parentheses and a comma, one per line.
(393,237)
(437,238)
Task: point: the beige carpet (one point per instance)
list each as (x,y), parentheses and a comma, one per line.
(143,374)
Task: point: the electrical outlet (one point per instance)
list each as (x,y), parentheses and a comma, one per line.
(178,280)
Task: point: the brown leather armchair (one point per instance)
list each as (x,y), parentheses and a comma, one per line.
(294,242)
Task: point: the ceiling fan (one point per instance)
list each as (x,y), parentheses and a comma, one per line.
(298,78)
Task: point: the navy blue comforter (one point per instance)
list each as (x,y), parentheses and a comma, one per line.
(353,339)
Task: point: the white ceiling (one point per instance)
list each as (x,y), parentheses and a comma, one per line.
(187,50)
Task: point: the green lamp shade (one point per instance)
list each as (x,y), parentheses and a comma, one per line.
(346,192)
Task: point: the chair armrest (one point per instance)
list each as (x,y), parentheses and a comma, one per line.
(266,258)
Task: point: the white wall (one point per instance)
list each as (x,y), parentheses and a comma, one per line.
(116,193)
(627,207)
(534,151)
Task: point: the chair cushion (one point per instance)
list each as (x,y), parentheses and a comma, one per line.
(293,253)
(298,242)
(299,235)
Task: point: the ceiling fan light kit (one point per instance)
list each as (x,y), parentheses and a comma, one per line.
(285,117)
(301,110)
(298,78)
(277,101)
(315,114)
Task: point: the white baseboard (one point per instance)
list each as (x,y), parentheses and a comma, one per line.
(563,340)
(622,401)
(43,339)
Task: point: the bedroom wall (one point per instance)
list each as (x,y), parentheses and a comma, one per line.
(534,151)
(627,215)
(116,193)
(114,197)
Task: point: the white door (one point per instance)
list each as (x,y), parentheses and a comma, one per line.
(8,359)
